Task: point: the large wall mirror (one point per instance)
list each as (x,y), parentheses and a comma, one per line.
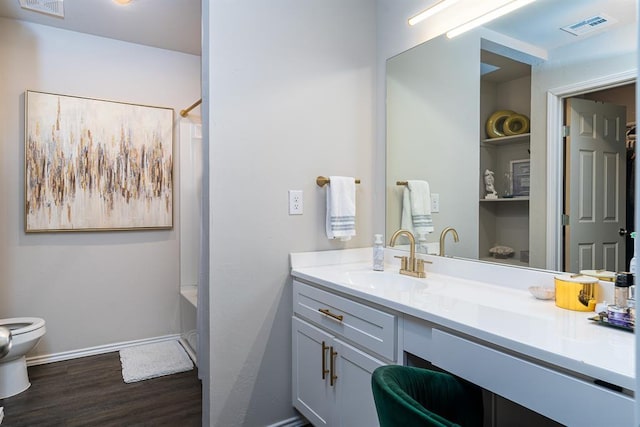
(440,95)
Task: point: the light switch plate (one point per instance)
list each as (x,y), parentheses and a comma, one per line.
(435,202)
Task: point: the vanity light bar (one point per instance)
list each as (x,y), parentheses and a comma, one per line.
(487,17)
(431,11)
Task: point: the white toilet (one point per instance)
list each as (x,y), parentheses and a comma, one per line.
(25,335)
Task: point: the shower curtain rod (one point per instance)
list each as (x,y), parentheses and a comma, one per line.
(185,112)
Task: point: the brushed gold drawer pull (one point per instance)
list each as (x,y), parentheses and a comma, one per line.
(324,360)
(332,367)
(330,314)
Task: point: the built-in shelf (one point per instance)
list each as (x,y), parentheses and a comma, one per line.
(504,221)
(507,199)
(190,293)
(503,140)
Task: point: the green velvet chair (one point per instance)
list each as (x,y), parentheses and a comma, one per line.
(412,397)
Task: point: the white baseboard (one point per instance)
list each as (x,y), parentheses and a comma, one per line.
(91,351)
(297,421)
(189,350)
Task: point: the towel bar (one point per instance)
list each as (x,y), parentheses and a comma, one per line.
(323,180)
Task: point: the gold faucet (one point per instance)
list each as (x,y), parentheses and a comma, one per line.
(412,266)
(444,234)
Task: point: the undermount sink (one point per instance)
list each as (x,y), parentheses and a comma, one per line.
(384,280)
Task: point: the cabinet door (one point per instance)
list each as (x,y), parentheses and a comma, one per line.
(312,395)
(354,398)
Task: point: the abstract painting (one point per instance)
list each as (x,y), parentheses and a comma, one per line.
(96,165)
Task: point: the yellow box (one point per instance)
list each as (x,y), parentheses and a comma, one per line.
(577,292)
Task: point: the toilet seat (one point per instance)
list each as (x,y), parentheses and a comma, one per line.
(26,333)
(22,325)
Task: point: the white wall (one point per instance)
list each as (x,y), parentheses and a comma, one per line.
(92,288)
(291,97)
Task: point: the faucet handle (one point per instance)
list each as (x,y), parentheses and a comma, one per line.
(420,266)
(403,262)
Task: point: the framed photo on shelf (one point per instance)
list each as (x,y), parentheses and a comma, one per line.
(520,173)
(96,165)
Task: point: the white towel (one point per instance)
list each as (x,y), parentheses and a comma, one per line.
(341,207)
(416,209)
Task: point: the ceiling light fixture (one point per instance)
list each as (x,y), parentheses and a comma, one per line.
(487,17)
(122,1)
(431,11)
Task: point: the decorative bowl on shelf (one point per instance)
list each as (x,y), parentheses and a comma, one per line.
(501,252)
(542,292)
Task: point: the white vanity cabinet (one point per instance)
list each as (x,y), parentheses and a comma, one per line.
(542,389)
(536,359)
(337,344)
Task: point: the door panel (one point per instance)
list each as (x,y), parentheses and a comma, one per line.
(312,395)
(355,398)
(595,190)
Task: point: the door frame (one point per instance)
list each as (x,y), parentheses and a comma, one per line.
(555,150)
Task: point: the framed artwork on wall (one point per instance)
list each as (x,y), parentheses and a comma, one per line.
(520,173)
(96,165)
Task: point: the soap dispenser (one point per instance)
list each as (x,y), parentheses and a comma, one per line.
(378,253)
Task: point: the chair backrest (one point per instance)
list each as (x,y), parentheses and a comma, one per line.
(407,397)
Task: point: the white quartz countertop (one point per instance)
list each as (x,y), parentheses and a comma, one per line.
(498,314)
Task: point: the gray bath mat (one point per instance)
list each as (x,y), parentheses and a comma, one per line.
(153,360)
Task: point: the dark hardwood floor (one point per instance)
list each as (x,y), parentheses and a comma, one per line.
(90,392)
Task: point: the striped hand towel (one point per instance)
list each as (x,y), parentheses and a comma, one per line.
(416,209)
(341,208)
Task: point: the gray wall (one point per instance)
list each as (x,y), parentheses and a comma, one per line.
(616,53)
(433,111)
(291,89)
(95,288)
(565,66)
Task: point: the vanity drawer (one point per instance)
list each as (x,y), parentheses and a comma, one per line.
(561,397)
(371,328)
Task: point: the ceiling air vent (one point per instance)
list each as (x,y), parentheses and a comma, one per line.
(49,7)
(590,24)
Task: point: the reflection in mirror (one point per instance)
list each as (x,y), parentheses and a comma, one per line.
(440,95)
(608,186)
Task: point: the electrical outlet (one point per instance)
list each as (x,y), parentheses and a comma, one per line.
(435,202)
(295,202)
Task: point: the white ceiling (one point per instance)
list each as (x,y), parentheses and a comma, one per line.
(167,24)
(539,23)
(175,24)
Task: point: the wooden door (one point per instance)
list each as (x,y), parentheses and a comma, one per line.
(595,186)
